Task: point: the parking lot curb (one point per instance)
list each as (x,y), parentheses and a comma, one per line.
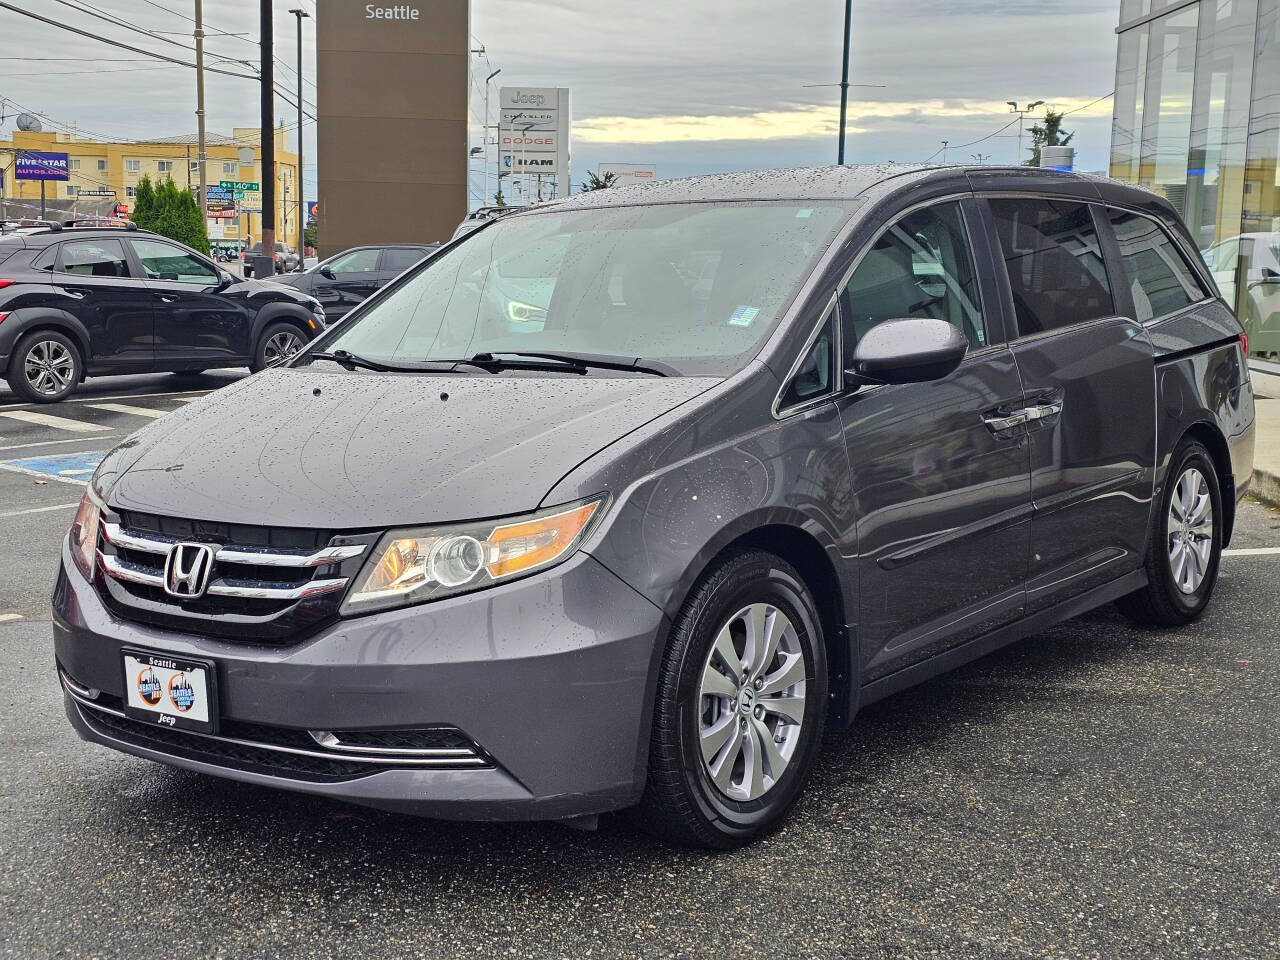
(1266,487)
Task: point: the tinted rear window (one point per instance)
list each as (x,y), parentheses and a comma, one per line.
(401,258)
(1054,263)
(1158,276)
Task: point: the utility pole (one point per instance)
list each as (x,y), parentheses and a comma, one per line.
(944,151)
(844,78)
(302,248)
(268,134)
(201,155)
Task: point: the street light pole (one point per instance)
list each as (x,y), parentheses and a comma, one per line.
(268,132)
(201,154)
(844,79)
(302,249)
(1022,115)
(487,81)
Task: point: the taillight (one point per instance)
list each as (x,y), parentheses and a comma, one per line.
(1244,344)
(2,316)
(84,534)
(7,283)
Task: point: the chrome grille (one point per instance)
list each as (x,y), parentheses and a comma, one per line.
(266,584)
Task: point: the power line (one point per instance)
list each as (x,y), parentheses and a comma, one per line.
(1090,104)
(117,43)
(151,53)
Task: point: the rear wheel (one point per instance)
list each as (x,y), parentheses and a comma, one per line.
(278,344)
(1185,545)
(45,366)
(741,705)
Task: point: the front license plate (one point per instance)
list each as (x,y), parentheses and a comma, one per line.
(169,691)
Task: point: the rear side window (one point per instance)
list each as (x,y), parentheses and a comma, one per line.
(920,267)
(1055,266)
(94,258)
(46,261)
(401,258)
(1157,274)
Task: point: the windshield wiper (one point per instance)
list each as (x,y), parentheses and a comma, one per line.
(577,362)
(351,361)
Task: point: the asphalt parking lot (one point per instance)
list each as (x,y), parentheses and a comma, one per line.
(1094,791)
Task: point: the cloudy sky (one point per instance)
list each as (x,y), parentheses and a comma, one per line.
(694,87)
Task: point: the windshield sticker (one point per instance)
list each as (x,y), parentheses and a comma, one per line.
(743,316)
(804,214)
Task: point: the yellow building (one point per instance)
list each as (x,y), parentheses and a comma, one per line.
(104,173)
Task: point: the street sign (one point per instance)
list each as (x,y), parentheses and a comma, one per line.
(237,185)
(36,165)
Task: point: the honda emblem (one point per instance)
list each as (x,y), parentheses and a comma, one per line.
(187,569)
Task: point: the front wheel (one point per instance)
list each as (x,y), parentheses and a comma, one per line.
(45,367)
(1185,544)
(741,705)
(278,344)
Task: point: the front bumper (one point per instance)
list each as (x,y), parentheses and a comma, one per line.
(551,676)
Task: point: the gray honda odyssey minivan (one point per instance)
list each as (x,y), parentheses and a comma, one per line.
(619,502)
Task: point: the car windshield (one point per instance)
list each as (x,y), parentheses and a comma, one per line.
(696,286)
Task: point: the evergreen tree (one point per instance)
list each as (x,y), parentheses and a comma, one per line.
(172,213)
(1047,134)
(596,182)
(144,205)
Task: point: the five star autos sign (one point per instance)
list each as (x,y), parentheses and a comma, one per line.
(34,165)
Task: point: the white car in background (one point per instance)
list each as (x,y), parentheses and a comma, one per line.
(1258,256)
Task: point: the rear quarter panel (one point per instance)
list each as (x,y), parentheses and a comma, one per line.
(1202,379)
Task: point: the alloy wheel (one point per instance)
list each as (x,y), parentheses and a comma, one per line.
(49,367)
(751,701)
(280,347)
(1190,530)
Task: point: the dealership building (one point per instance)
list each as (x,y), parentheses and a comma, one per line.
(1197,118)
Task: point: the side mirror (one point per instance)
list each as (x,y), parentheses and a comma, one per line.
(327,271)
(911,350)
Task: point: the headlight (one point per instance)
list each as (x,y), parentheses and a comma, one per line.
(84,533)
(427,563)
(525,312)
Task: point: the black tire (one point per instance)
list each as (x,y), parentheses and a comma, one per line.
(681,802)
(261,352)
(1163,602)
(54,345)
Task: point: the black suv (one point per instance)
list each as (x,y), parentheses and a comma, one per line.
(78,302)
(348,279)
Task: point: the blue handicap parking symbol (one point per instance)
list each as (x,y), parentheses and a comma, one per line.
(76,467)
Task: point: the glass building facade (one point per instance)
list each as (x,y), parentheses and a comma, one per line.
(1197,118)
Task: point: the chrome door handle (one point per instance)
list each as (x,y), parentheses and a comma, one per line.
(165,298)
(1041,411)
(1000,423)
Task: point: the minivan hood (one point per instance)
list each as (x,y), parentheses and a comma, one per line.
(335,450)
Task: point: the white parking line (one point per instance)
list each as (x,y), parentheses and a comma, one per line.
(125,396)
(23,513)
(43,476)
(57,423)
(1253,552)
(45,443)
(9,617)
(126,408)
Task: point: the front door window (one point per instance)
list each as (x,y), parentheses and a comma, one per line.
(920,267)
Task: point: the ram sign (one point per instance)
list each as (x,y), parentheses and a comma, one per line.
(33,165)
(533,142)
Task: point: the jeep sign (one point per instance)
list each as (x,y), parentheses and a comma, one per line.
(533,141)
